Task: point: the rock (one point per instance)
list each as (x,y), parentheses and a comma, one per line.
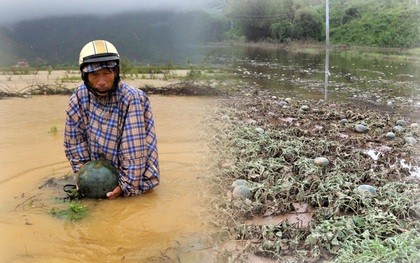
(343,121)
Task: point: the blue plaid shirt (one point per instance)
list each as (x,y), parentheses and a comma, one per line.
(118,128)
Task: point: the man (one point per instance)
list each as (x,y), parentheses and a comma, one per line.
(109,120)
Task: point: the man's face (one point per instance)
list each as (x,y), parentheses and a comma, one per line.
(102,80)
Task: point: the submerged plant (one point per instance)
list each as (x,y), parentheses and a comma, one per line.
(53,128)
(74,211)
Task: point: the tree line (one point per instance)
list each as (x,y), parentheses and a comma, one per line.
(385,23)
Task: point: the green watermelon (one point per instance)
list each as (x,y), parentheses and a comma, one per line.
(96,178)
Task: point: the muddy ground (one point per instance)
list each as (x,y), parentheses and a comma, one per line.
(60,82)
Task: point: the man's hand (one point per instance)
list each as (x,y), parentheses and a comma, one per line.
(114,194)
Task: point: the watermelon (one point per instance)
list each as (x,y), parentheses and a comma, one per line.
(96,178)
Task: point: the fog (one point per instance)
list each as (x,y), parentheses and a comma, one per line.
(12,11)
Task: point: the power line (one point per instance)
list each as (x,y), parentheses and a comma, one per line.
(258,17)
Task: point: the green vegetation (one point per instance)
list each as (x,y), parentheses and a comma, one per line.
(53,128)
(391,23)
(271,143)
(400,248)
(74,211)
(380,25)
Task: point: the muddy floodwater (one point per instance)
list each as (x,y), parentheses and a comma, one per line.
(162,223)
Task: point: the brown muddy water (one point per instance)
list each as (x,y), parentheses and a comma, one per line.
(160,226)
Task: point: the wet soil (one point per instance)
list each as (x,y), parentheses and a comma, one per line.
(272,144)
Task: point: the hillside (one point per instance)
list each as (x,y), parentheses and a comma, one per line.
(12,50)
(159,37)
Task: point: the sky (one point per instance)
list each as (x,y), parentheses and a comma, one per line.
(12,11)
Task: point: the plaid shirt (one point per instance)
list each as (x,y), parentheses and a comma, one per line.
(118,128)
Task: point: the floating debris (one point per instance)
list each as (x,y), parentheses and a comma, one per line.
(343,121)
(401,123)
(374,154)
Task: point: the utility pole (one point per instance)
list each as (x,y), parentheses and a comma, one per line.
(327,22)
(327,46)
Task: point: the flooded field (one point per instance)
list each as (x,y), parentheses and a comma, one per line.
(366,78)
(159,224)
(164,225)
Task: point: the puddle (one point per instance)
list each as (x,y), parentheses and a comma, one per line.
(376,154)
(414,170)
(160,223)
(302,217)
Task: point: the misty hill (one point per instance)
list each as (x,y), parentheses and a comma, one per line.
(163,37)
(159,37)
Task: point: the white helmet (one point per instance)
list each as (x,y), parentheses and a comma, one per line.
(98,51)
